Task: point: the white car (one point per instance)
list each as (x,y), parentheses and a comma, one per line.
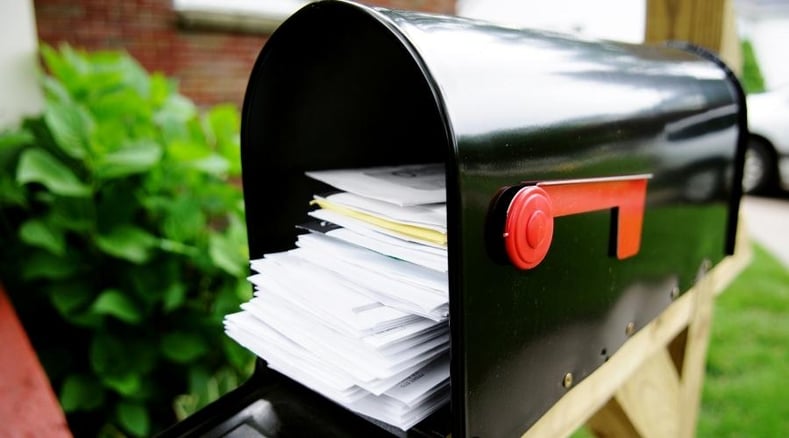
(767,157)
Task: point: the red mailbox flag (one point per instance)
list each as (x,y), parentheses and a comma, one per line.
(528,228)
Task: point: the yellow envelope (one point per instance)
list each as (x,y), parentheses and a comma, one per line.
(413,231)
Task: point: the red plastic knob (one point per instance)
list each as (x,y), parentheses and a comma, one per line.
(528,230)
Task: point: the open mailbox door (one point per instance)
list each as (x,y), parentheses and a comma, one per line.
(587,184)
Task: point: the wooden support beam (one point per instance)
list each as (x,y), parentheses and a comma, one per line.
(611,421)
(693,365)
(651,398)
(647,405)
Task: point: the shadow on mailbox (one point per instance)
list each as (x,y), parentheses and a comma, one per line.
(625,158)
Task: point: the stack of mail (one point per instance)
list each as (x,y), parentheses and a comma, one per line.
(358,310)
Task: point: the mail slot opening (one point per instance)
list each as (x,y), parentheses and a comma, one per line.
(338,101)
(357,97)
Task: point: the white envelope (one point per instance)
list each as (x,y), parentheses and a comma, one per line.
(413,184)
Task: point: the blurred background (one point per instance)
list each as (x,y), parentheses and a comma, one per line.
(122,260)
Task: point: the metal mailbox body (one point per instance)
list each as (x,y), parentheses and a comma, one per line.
(340,85)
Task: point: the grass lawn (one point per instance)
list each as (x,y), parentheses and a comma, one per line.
(746,388)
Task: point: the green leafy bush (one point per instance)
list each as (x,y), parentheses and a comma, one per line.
(123,243)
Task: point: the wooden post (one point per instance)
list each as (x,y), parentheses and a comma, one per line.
(707,23)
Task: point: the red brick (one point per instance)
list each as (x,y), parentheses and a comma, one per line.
(211,66)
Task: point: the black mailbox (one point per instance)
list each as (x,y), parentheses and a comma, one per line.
(585,181)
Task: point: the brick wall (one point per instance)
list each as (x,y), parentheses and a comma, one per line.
(211,66)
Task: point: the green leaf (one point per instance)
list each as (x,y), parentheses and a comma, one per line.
(81,393)
(224,380)
(70,126)
(47,266)
(15,138)
(213,164)
(184,150)
(119,203)
(177,107)
(66,74)
(224,123)
(134,418)
(55,91)
(108,355)
(244,290)
(226,254)
(69,297)
(237,230)
(132,73)
(185,221)
(178,248)
(120,116)
(223,128)
(146,283)
(39,166)
(199,378)
(131,159)
(225,301)
(127,242)
(99,72)
(11,193)
(182,347)
(122,361)
(75,214)
(173,297)
(36,232)
(185,405)
(145,355)
(238,356)
(127,384)
(161,88)
(114,302)
(86,319)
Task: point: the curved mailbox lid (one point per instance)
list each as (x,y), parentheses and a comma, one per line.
(344,85)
